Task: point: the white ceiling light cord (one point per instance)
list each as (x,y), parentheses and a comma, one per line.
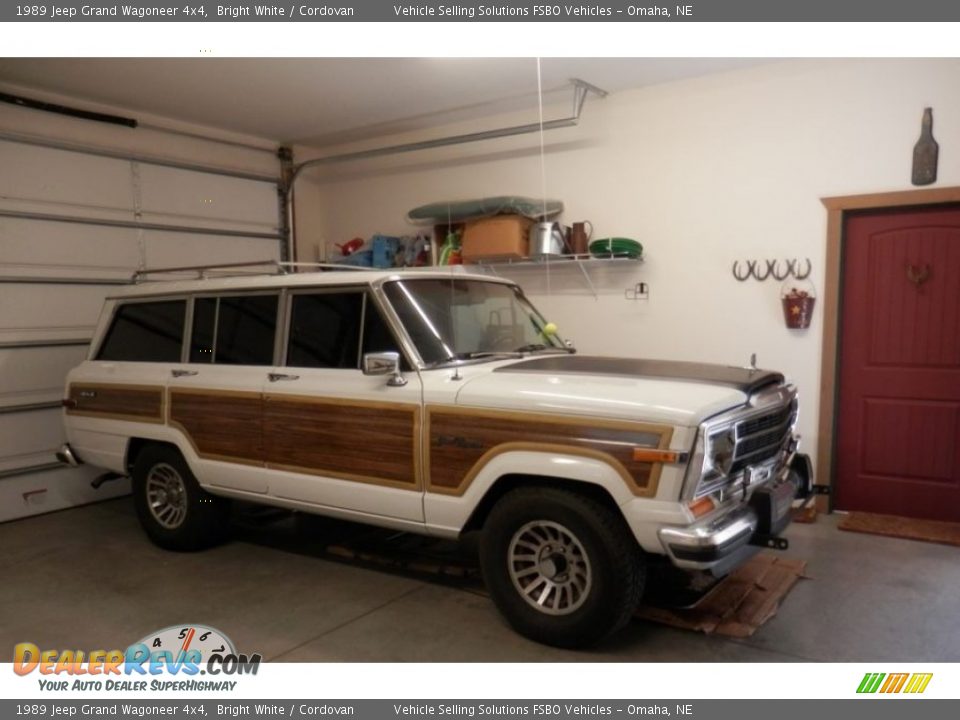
(543,165)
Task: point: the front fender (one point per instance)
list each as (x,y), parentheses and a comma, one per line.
(447,512)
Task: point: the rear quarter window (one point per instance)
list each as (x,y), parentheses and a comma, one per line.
(145,332)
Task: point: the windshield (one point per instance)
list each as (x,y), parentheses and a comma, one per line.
(461,319)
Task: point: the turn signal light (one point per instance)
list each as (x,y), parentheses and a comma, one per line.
(655,455)
(701,507)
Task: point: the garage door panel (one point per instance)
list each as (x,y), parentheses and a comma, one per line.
(39,248)
(143,140)
(29,438)
(195,198)
(38,179)
(46,327)
(170,250)
(34,375)
(10,463)
(39,307)
(54,490)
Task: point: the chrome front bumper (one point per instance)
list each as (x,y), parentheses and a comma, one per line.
(700,545)
(719,544)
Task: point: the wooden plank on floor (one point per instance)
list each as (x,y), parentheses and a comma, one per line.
(741,603)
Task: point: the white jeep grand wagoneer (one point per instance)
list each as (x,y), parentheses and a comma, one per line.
(437,404)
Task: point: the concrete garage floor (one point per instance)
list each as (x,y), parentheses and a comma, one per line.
(88,578)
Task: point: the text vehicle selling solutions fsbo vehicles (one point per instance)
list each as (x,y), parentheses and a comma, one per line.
(436,403)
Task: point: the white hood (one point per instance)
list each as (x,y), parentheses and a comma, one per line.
(671,401)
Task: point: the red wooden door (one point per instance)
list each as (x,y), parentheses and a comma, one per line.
(898,434)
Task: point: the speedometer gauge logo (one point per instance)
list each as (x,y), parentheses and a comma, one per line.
(189,640)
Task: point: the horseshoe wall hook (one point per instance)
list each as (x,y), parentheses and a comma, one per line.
(770,268)
(745,276)
(773,270)
(806,274)
(791,268)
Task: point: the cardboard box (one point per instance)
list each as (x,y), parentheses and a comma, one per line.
(498,237)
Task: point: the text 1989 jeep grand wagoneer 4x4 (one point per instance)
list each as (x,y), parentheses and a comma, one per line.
(436,404)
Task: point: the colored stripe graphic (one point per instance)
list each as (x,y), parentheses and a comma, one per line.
(918,683)
(894,683)
(870,682)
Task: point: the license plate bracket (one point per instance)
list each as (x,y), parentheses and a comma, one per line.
(772,504)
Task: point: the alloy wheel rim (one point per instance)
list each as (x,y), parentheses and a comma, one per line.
(166,496)
(549,567)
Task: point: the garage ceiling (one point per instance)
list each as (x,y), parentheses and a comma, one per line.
(323,101)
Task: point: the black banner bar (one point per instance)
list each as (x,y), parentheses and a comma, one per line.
(243,709)
(486,11)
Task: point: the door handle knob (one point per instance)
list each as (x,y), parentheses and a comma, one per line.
(184,373)
(273,377)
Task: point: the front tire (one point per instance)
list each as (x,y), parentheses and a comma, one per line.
(175,512)
(562,567)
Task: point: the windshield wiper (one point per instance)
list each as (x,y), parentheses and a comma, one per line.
(518,353)
(485,354)
(537,347)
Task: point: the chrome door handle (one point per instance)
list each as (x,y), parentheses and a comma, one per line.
(273,377)
(184,373)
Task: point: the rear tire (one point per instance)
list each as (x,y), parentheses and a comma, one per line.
(175,512)
(562,567)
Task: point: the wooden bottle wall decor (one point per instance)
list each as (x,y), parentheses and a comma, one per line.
(925,152)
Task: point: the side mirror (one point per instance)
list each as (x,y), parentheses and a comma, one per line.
(384,363)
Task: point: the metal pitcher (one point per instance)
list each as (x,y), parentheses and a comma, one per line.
(548,238)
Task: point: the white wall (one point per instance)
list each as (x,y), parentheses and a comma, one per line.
(703,172)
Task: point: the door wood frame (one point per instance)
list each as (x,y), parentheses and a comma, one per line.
(837,209)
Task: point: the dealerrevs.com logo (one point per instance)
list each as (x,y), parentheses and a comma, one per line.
(169,659)
(909,683)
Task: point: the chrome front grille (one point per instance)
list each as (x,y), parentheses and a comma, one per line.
(759,432)
(762,437)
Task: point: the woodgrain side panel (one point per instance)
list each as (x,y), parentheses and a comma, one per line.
(461,441)
(220,425)
(354,440)
(139,403)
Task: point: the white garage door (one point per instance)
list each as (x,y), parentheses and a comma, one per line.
(73,223)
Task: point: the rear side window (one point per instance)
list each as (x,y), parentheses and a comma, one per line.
(237,330)
(325,330)
(145,332)
(330,330)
